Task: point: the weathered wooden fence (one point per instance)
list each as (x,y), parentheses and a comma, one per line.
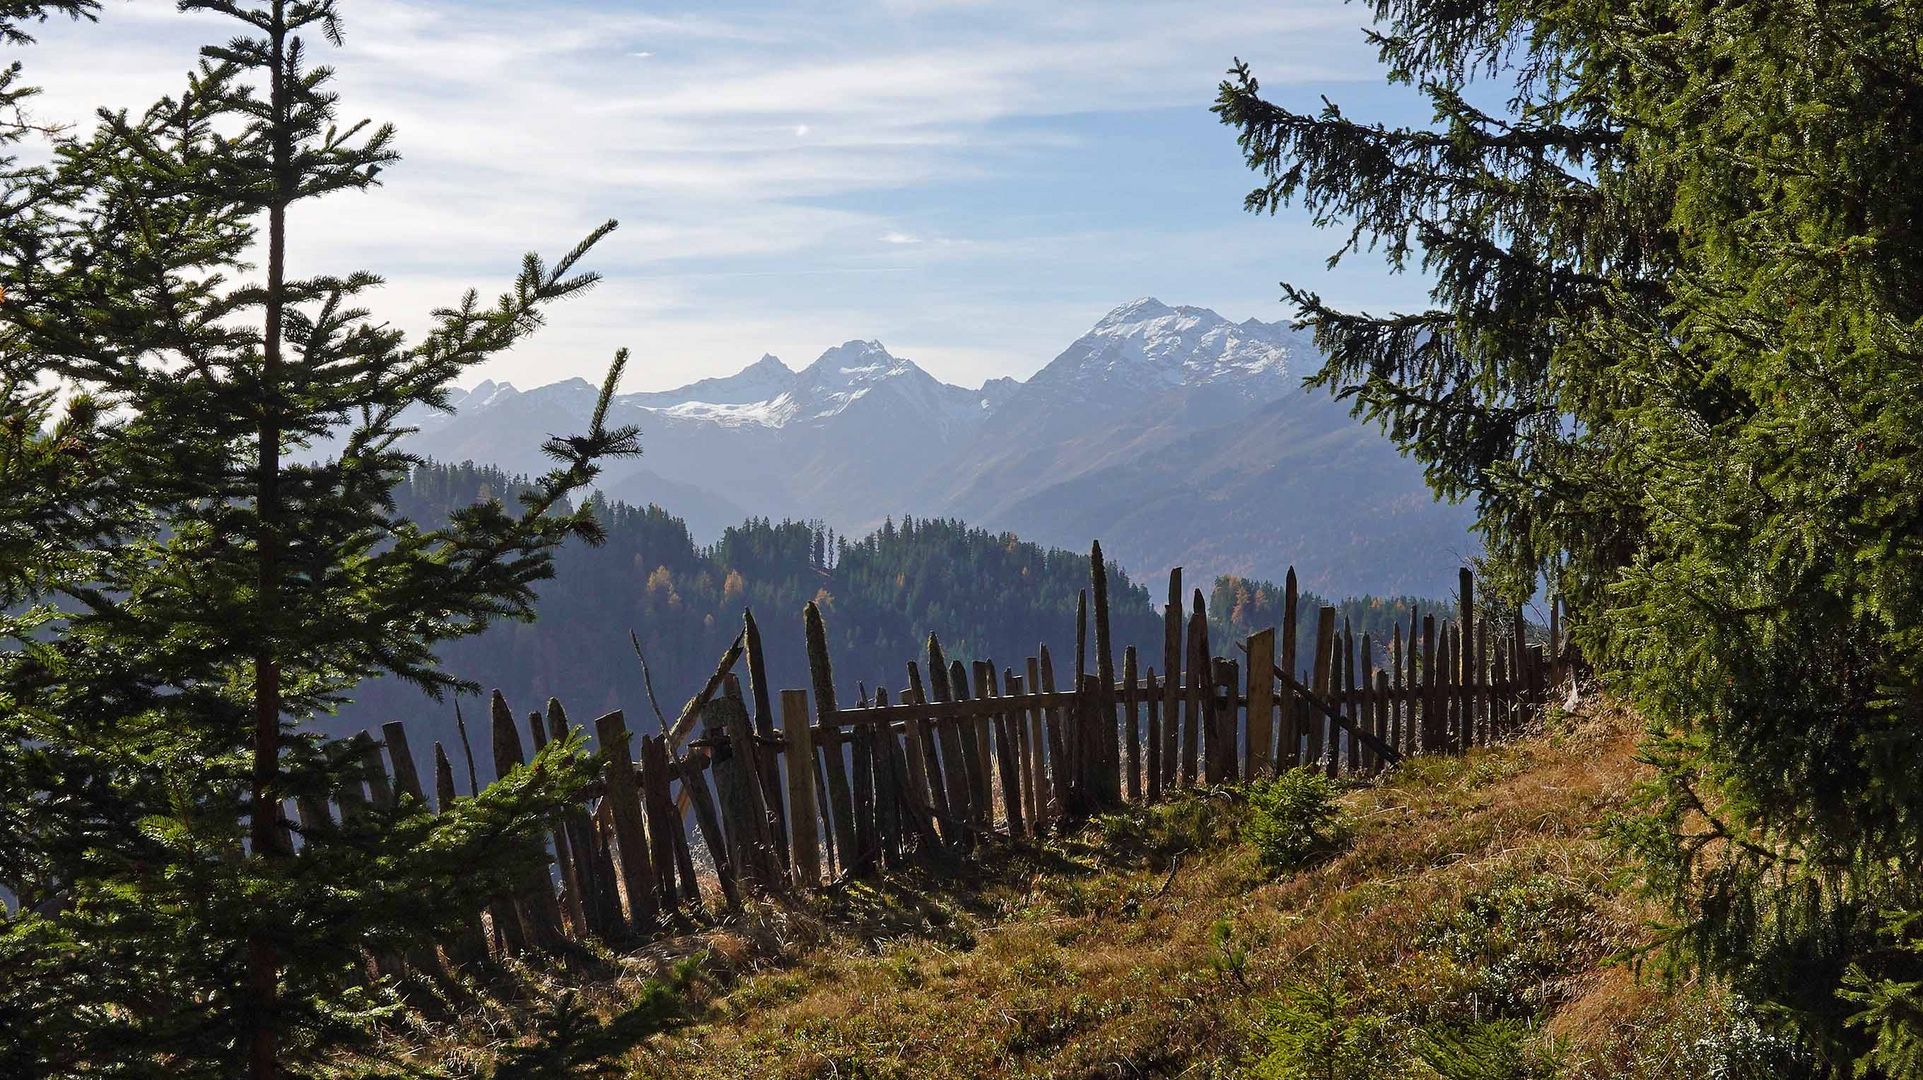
(792,790)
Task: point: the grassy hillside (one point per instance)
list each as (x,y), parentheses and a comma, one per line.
(1468,922)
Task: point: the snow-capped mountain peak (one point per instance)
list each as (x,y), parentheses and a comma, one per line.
(1146,344)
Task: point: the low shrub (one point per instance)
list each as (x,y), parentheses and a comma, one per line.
(1293,820)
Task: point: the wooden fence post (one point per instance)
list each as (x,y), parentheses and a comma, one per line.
(1323,663)
(1173,653)
(1259,736)
(624,812)
(1289,738)
(800,750)
(764,727)
(1131,731)
(469,943)
(954,765)
(539,910)
(1195,692)
(1058,717)
(845,849)
(571,905)
(1037,768)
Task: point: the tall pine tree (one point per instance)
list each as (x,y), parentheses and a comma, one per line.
(1673,354)
(188,590)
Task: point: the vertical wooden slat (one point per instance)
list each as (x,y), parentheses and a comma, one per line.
(1384,702)
(1259,734)
(764,726)
(1322,668)
(918,803)
(469,942)
(1228,683)
(1173,654)
(599,907)
(657,809)
(1018,719)
(1108,746)
(373,772)
(1366,660)
(800,749)
(978,728)
(1152,693)
(624,808)
(1005,722)
(834,765)
(1056,737)
(1194,694)
(406,777)
(861,755)
(1555,639)
(954,767)
(1430,725)
(693,771)
(1289,740)
(1399,735)
(540,912)
(1131,730)
(571,904)
(888,785)
(1352,698)
(1037,767)
(931,762)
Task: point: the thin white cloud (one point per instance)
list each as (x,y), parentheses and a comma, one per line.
(523,125)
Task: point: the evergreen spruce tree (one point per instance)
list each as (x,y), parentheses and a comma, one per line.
(188,587)
(1673,355)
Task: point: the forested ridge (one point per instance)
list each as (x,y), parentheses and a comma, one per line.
(986,595)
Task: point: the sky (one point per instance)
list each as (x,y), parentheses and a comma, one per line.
(971,182)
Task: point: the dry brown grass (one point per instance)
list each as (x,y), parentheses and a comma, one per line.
(1152,943)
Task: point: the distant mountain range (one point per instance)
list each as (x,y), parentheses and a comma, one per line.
(1176,436)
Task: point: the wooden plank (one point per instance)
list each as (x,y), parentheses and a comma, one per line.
(373,773)
(1018,721)
(1152,693)
(861,756)
(1430,724)
(1322,669)
(798,738)
(1057,771)
(1383,703)
(955,827)
(931,763)
(1005,725)
(1037,749)
(693,771)
(599,906)
(1294,726)
(1131,728)
(764,728)
(1259,733)
(1399,727)
(407,778)
(1172,661)
(1106,748)
(1222,733)
(540,911)
(1351,695)
(840,793)
(1193,694)
(572,907)
(883,751)
(980,801)
(469,942)
(1466,665)
(623,801)
(1366,688)
(918,803)
(657,808)
(738,782)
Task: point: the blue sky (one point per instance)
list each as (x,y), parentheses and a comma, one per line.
(973,182)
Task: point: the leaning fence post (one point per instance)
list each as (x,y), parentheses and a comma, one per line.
(1172,656)
(827,717)
(1108,787)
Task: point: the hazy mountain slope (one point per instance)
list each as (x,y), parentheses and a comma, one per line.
(1175,435)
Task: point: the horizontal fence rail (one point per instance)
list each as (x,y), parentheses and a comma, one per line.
(775,792)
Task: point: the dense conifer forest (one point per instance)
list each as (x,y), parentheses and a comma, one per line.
(987,596)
